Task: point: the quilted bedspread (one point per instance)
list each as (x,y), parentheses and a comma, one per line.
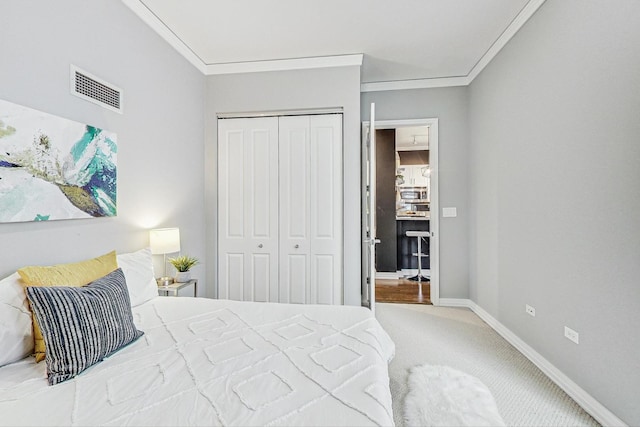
(218,362)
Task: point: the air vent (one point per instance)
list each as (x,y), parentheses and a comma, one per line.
(93,89)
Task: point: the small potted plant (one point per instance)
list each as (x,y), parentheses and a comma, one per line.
(182,265)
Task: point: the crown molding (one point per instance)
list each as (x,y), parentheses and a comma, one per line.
(159,27)
(149,18)
(525,14)
(414,84)
(138,7)
(285,64)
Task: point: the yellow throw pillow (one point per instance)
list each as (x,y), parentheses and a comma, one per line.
(72,274)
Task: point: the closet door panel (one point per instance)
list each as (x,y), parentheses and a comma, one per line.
(233,273)
(262,172)
(233,161)
(325,237)
(248,209)
(261,198)
(294,175)
(294,172)
(261,278)
(322,291)
(297,271)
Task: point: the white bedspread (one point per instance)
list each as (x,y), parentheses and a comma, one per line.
(218,362)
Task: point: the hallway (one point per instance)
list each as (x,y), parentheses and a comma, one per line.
(402,291)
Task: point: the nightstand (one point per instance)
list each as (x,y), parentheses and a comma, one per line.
(175,287)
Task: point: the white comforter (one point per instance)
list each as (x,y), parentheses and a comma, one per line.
(217,362)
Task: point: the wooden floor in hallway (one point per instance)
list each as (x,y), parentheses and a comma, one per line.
(402,291)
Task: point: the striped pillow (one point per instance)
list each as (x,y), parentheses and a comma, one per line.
(83,325)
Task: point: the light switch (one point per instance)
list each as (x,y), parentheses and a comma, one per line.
(449,212)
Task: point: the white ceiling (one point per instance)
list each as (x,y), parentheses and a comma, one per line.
(399,39)
(412,138)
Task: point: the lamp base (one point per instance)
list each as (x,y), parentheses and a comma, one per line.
(164,281)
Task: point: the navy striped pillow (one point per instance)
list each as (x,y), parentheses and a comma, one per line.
(83,325)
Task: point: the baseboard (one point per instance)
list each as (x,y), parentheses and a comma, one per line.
(388,275)
(577,393)
(456,302)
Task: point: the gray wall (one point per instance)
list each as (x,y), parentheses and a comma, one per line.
(292,90)
(449,105)
(555,185)
(160,134)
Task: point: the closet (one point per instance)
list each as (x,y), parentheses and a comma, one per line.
(280,209)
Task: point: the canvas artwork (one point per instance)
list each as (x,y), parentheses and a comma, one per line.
(53,168)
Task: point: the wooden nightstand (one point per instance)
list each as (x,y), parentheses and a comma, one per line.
(175,287)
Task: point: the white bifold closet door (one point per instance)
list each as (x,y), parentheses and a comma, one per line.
(280,209)
(248,209)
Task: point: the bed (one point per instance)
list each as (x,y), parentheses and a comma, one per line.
(219,362)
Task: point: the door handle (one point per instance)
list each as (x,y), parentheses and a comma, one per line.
(296,246)
(260,245)
(371,241)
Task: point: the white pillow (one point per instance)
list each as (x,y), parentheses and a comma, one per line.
(138,272)
(16,329)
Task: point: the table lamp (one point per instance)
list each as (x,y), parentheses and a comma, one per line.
(164,241)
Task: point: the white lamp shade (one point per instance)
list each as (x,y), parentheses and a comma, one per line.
(164,240)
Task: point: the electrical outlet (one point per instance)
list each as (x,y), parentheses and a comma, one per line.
(571,334)
(530,310)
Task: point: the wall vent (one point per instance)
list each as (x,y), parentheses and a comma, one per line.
(96,90)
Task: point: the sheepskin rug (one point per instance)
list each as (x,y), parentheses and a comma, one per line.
(443,396)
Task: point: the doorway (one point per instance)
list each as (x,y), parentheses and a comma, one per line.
(406,205)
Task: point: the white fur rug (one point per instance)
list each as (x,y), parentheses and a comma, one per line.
(443,396)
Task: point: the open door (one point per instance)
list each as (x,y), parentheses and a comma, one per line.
(369,212)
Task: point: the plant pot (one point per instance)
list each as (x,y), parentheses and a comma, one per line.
(183,276)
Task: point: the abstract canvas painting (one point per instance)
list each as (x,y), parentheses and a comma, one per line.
(53,168)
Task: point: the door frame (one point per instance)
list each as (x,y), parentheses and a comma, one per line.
(434,222)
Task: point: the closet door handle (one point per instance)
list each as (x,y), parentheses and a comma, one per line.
(260,245)
(296,246)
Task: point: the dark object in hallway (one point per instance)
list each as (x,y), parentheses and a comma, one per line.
(409,245)
(386,259)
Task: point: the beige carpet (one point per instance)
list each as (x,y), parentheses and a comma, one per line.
(456,337)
